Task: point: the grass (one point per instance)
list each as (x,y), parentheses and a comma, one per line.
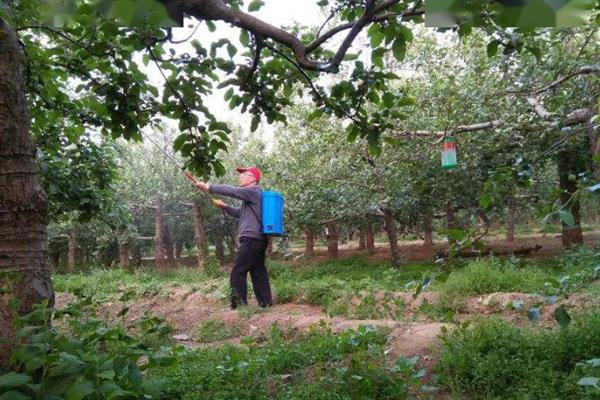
(317,365)
(215,330)
(495,360)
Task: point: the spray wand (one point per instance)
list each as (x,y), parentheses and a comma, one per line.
(174,161)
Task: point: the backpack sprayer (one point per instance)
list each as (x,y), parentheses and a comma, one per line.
(271,202)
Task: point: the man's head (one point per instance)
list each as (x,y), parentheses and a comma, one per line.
(248,175)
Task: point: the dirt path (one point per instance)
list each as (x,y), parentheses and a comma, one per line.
(412,334)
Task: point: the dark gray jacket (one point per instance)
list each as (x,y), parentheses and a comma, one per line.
(250,213)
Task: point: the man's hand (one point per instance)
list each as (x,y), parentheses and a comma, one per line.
(201,185)
(219,203)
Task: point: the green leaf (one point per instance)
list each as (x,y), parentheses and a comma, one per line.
(376,38)
(589,381)
(566,217)
(485,201)
(407,101)
(537,53)
(12,395)
(456,234)
(79,390)
(228,94)
(534,314)
(181,139)
(399,48)
(231,50)
(255,5)
(254,123)
(211,26)
(492,48)
(314,115)
(244,38)
(562,317)
(12,380)
(377,57)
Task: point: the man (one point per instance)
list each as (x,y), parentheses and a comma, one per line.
(253,244)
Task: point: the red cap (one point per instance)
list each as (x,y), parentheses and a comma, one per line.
(253,170)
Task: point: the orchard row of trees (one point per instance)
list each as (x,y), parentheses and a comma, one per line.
(62,88)
(513,158)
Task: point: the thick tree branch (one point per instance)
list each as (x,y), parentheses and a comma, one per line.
(590,69)
(540,109)
(459,129)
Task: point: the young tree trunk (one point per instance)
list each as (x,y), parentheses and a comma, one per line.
(168,245)
(123,254)
(369,238)
(361,240)
(200,236)
(332,240)
(56,259)
(428,229)
(231,241)
(309,242)
(390,228)
(219,249)
(594,139)
(23,202)
(510,226)
(159,251)
(567,161)
(450,219)
(178,250)
(72,252)
(270,245)
(136,255)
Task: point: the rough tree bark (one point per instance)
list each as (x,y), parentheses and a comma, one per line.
(370,238)
(219,249)
(309,242)
(450,219)
(200,236)
(361,240)
(332,240)
(24,272)
(168,245)
(159,251)
(72,252)
(428,229)
(123,254)
(510,225)
(178,250)
(567,161)
(390,228)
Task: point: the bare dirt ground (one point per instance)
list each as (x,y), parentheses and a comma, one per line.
(413,333)
(414,250)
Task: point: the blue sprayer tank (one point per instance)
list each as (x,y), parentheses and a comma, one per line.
(272,213)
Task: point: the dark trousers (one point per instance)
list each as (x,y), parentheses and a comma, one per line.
(250,258)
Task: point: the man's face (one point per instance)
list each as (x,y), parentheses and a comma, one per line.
(246,178)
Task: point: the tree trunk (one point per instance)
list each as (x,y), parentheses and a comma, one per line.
(428,229)
(231,241)
(369,238)
(219,249)
(332,240)
(269,245)
(136,255)
(72,252)
(56,259)
(123,254)
(450,219)
(567,162)
(510,226)
(200,236)
(594,139)
(309,242)
(168,245)
(178,250)
(24,273)
(361,240)
(390,227)
(159,251)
